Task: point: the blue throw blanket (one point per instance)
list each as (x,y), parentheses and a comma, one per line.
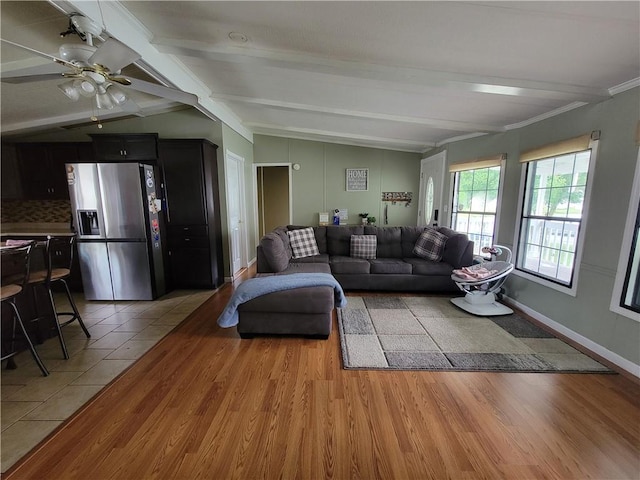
(256,287)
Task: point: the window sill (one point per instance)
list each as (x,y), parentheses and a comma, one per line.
(617,309)
(541,281)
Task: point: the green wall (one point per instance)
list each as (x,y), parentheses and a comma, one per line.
(319,185)
(588,312)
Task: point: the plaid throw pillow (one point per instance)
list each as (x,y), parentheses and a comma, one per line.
(303,242)
(430,245)
(364,246)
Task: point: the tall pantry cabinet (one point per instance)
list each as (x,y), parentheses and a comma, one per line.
(194,234)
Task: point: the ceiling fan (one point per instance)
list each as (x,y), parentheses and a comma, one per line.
(93,72)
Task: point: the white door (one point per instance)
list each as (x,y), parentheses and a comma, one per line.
(431,182)
(234,180)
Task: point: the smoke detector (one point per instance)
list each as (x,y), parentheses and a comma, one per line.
(238,37)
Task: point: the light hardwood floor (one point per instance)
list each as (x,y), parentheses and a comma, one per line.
(205,404)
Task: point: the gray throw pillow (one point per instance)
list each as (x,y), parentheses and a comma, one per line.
(275,252)
(430,245)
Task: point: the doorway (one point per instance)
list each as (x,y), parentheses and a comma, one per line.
(430,211)
(273,196)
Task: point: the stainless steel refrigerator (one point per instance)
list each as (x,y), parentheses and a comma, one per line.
(117,217)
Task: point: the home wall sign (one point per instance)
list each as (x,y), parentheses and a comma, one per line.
(357,179)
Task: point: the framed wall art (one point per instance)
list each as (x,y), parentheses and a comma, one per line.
(357,179)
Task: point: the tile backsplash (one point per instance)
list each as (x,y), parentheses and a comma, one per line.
(35,211)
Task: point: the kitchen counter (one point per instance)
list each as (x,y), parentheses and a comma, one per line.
(39,232)
(34,230)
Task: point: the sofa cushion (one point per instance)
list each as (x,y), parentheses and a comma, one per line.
(363,246)
(344,264)
(430,245)
(303,242)
(389,240)
(274,251)
(297,300)
(339,239)
(410,235)
(390,265)
(428,267)
(322,258)
(300,267)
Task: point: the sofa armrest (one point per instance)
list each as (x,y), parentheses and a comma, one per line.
(262,266)
(271,254)
(458,251)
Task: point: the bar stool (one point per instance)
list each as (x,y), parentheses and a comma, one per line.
(58,261)
(15,274)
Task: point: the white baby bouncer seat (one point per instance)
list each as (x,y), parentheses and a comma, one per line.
(482,283)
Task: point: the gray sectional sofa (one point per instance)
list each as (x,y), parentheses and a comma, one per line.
(395,268)
(307,311)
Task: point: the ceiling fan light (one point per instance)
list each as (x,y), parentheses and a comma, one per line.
(69,89)
(103,101)
(86,87)
(117,95)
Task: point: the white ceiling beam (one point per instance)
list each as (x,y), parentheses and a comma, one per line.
(122,25)
(430,122)
(346,138)
(394,74)
(152,107)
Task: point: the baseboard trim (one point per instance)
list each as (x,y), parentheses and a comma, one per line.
(597,349)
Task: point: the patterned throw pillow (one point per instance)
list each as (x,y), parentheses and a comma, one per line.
(303,242)
(364,246)
(430,245)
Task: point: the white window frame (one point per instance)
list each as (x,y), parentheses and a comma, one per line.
(496,225)
(625,250)
(573,289)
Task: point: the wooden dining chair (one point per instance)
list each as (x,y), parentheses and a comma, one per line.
(58,262)
(15,274)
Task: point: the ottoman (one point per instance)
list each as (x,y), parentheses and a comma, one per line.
(305,311)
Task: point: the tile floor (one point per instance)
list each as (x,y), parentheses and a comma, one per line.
(121,332)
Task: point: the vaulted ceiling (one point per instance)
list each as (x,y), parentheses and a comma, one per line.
(399,75)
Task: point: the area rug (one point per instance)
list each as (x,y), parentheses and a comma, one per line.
(430,333)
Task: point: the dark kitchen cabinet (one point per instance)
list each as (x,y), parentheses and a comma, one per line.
(191,193)
(125,147)
(11,188)
(42,168)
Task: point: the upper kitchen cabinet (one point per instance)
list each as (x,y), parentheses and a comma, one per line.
(10,176)
(42,168)
(125,147)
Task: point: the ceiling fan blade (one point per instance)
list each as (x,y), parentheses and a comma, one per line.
(164,92)
(39,53)
(130,106)
(37,73)
(114,55)
(32,78)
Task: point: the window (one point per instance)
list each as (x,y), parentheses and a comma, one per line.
(553,212)
(625,299)
(631,293)
(475,204)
